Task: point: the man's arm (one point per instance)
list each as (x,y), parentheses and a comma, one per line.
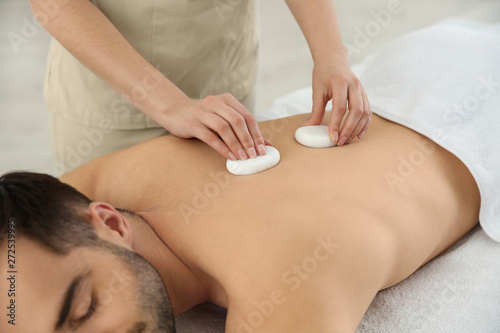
(332,76)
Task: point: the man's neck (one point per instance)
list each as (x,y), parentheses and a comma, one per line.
(186,285)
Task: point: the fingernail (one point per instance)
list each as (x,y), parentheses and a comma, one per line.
(242,154)
(335,137)
(362,135)
(331,136)
(342,141)
(261,149)
(232,157)
(252,152)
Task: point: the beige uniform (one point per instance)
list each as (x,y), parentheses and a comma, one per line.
(205,47)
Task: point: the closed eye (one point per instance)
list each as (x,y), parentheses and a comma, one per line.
(90,312)
(74,324)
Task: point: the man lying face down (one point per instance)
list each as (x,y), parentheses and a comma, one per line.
(302,247)
(73,270)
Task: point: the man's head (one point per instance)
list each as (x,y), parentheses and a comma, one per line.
(71,266)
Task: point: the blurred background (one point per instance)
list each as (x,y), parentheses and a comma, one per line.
(285,61)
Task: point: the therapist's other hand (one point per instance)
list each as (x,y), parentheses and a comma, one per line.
(222,122)
(334,80)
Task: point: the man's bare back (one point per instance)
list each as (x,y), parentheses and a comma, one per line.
(306,245)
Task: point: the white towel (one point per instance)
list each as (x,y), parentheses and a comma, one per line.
(444,82)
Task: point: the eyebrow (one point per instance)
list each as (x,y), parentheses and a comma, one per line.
(68,299)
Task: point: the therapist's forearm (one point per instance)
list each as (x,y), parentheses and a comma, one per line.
(92,39)
(319,25)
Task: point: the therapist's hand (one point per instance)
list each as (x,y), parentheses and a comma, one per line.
(222,122)
(334,80)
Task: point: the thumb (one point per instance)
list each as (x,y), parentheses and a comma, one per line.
(318,110)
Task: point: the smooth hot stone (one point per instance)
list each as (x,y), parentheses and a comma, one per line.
(254,165)
(314,136)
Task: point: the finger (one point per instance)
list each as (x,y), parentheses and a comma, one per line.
(223,129)
(362,134)
(255,141)
(356,112)
(361,124)
(366,101)
(255,133)
(237,124)
(363,121)
(214,141)
(339,107)
(251,123)
(253,127)
(366,104)
(320,98)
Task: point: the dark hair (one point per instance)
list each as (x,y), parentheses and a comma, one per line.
(45,210)
(50,212)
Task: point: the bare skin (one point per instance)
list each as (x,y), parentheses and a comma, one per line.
(302,247)
(250,231)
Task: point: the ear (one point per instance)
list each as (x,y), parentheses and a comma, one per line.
(110,225)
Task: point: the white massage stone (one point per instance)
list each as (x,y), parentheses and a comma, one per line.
(254,165)
(314,136)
